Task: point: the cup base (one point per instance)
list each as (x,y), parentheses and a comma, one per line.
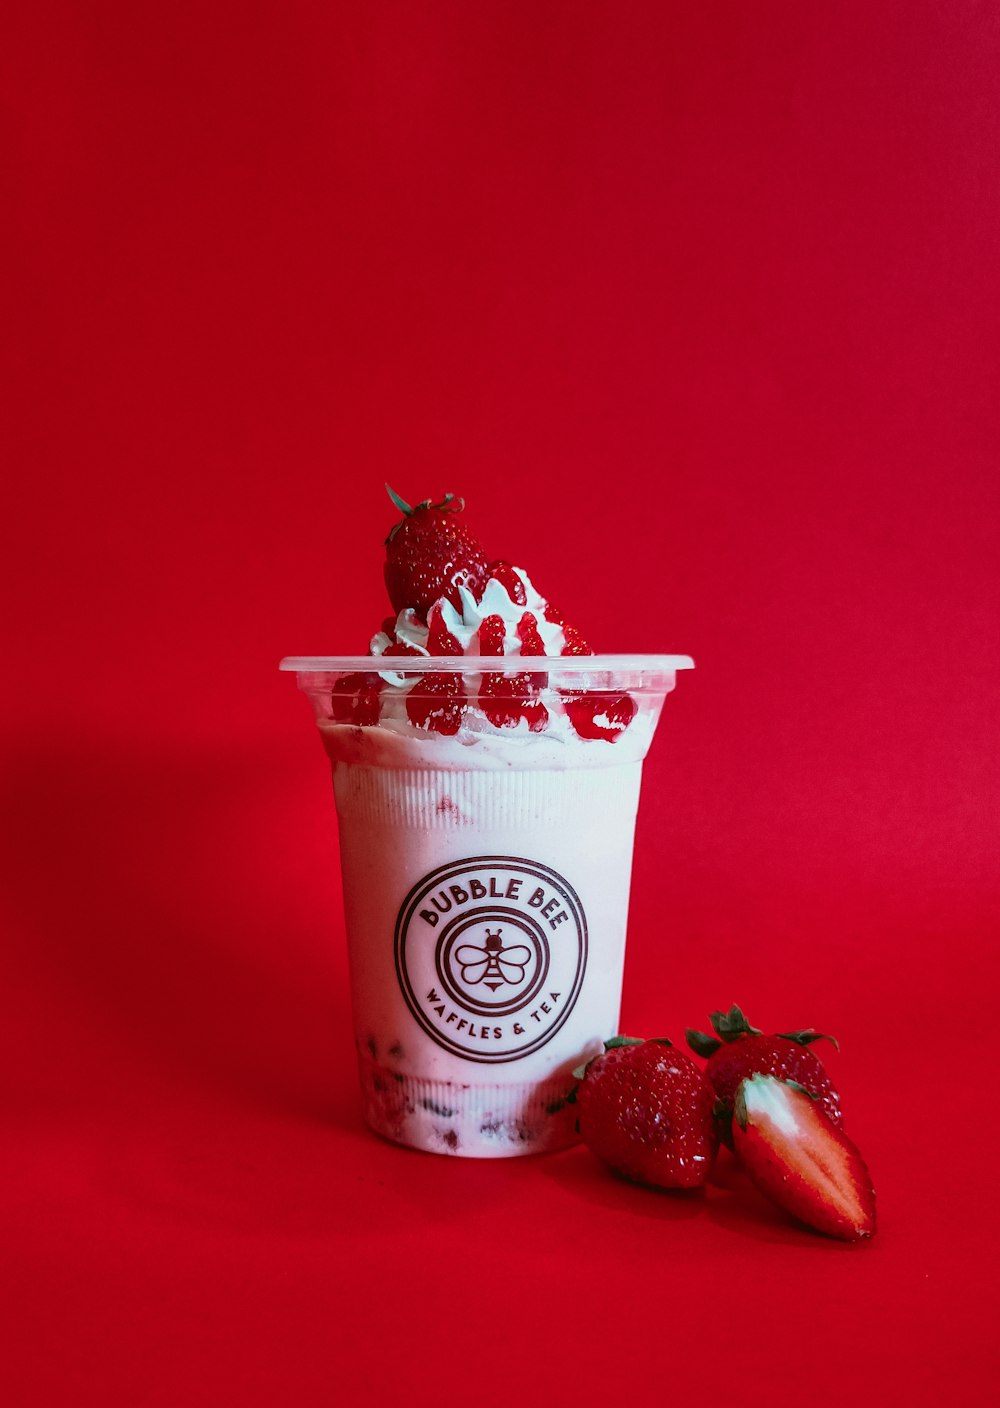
(469,1121)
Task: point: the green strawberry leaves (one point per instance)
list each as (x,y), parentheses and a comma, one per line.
(408,512)
(701,1044)
(809,1034)
(401,504)
(733,1025)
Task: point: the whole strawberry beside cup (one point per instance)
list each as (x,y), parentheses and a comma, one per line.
(645,1108)
(800,1160)
(738,1050)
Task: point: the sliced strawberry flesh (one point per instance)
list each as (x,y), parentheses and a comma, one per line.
(801,1160)
(599,715)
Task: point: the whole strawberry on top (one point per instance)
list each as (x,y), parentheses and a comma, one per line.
(645,1108)
(739,1050)
(430,553)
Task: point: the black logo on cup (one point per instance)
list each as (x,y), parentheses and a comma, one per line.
(490,955)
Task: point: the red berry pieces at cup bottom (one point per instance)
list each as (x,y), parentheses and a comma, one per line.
(654,1116)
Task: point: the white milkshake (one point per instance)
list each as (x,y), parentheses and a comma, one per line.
(486,884)
(486,768)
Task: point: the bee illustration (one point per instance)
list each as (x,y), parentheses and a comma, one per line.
(494,964)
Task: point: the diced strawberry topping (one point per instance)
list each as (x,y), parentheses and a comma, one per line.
(389,627)
(355,699)
(600,714)
(399,647)
(440,640)
(575,644)
(437,703)
(527,634)
(492,634)
(503,573)
(506,699)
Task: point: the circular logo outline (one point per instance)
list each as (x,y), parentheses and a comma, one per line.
(454,869)
(453,931)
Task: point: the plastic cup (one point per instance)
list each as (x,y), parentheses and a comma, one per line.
(486,884)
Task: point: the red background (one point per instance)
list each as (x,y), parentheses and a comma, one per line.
(697,306)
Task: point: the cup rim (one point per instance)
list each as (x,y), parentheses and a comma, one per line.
(476,664)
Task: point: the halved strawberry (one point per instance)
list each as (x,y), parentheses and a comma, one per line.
(430,553)
(800,1160)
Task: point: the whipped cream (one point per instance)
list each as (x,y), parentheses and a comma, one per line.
(464,623)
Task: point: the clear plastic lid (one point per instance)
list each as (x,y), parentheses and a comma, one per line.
(628,671)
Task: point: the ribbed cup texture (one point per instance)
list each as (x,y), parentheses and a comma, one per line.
(447,800)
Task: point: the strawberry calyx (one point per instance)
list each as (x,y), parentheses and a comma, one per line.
(733,1025)
(449,504)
